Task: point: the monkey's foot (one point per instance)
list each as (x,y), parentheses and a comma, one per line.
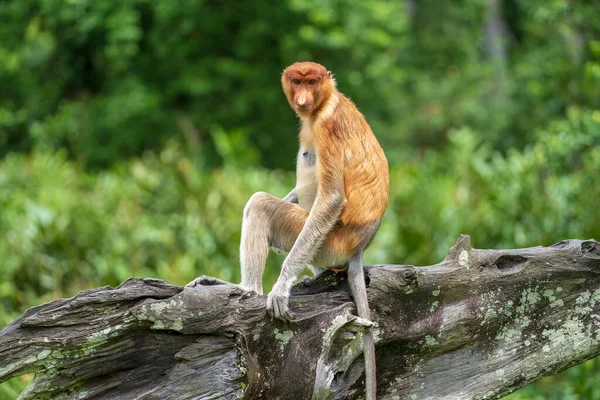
(206,280)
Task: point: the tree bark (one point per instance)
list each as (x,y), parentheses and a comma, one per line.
(479,325)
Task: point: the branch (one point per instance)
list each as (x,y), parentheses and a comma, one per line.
(481,324)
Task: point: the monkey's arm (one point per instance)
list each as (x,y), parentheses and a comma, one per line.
(323,215)
(292,197)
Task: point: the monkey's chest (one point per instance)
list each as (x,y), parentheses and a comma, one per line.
(306,177)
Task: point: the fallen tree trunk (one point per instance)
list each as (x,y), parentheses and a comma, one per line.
(478,325)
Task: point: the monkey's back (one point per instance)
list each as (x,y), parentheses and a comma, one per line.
(366,177)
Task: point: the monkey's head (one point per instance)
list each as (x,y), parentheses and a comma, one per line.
(307,85)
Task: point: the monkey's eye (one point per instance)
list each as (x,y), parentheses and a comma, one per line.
(312,82)
(296,81)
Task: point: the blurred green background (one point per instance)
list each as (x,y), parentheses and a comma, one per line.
(133,132)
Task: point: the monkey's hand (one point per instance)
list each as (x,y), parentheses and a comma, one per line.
(277,302)
(292,197)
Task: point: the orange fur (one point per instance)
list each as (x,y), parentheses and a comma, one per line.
(349,158)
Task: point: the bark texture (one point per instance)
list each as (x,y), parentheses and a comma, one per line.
(479,325)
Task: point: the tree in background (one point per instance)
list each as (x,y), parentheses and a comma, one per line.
(109,79)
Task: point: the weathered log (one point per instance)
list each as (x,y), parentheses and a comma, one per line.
(480,324)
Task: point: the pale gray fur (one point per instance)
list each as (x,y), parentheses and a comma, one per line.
(257,237)
(254,246)
(292,197)
(316,270)
(309,156)
(320,221)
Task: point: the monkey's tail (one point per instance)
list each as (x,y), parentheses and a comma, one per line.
(358,287)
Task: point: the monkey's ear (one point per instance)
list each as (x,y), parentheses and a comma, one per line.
(329,74)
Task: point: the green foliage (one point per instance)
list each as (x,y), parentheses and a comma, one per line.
(109,79)
(579,383)
(524,198)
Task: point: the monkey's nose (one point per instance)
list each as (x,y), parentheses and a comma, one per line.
(303,104)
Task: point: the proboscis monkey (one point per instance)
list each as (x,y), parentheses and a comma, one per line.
(334,211)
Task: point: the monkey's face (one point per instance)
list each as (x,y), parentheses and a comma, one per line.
(305,85)
(305,93)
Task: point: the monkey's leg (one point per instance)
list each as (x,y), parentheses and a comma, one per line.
(267,222)
(316,270)
(356,279)
(308,280)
